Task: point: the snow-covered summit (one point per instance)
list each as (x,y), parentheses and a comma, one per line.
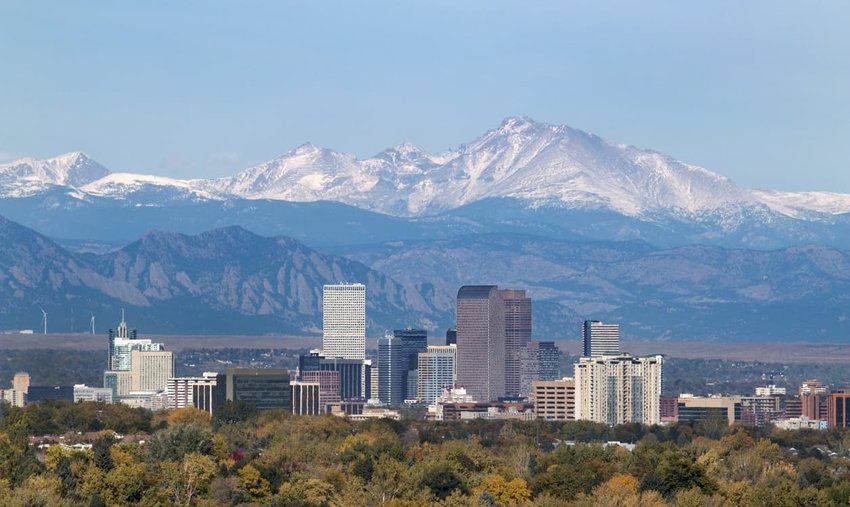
(30,175)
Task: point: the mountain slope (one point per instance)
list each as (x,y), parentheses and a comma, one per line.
(222,281)
(692,292)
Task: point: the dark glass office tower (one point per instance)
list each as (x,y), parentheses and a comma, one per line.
(481,341)
(398,356)
(517,336)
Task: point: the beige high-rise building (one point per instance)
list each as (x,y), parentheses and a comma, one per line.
(619,389)
(21,382)
(181,390)
(13,397)
(151,370)
(554,400)
(437,370)
(344,321)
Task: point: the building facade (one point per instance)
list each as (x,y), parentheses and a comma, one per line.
(305,398)
(355,375)
(517,315)
(265,388)
(329,389)
(181,391)
(397,359)
(538,361)
(121,382)
(838,409)
(150,371)
(437,370)
(600,339)
(555,400)
(481,341)
(83,392)
(691,409)
(619,389)
(344,321)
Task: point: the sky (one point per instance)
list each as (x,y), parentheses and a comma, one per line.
(758,91)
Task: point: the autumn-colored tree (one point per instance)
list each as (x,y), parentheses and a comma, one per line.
(189,415)
(620,491)
(504,492)
(306,492)
(253,483)
(36,491)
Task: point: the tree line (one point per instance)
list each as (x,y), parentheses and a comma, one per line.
(242,457)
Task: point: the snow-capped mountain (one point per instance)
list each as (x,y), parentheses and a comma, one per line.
(29,176)
(543,165)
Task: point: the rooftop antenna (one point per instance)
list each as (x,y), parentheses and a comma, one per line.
(92,324)
(45,319)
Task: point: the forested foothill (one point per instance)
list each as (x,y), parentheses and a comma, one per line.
(127,456)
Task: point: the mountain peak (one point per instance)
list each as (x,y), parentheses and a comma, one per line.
(305,149)
(407,148)
(30,175)
(518,124)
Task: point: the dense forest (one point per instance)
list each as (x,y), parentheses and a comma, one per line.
(240,457)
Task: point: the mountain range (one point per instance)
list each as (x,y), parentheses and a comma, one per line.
(593,229)
(231,281)
(562,181)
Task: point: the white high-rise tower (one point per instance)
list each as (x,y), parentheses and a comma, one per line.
(344,321)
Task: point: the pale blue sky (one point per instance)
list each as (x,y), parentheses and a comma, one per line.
(758,91)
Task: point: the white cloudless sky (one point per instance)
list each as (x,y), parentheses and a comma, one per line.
(758,91)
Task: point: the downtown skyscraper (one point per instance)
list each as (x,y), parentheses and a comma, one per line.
(344,321)
(517,308)
(397,364)
(600,339)
(481,341)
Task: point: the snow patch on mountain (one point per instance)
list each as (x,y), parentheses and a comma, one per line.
(122,185)
(803,204)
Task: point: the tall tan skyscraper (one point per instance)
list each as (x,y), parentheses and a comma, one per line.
(481,341)
(344,321)
(517,336)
